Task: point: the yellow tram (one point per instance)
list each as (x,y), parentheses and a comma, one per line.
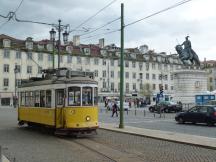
(62,99)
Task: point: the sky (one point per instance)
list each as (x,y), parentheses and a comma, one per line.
(161,32)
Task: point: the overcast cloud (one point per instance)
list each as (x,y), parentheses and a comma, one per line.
(161,32)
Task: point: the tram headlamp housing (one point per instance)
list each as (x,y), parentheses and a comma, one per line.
(88,118)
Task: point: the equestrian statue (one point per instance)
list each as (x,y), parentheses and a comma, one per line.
(187,55)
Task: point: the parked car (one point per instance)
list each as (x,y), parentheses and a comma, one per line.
(166,106)
(198,114)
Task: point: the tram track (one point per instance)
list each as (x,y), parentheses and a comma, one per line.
(107,152)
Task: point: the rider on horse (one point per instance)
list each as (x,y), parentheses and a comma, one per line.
(187,47)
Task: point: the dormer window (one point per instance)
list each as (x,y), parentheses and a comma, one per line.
(159,58)
(87,51)
(40,46)
(29,43)
(117,54)
(171,60)
(49,47)
(154,58)
(6,43)
(133,55)
(146,57)
(69,49)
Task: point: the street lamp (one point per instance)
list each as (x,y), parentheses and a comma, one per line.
(59,28)
(15,93)
(52,38)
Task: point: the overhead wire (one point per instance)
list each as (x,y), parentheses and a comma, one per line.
(98,28)
(18,6)
(156,13)
(88,19)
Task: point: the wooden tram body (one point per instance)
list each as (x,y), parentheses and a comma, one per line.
(64,100)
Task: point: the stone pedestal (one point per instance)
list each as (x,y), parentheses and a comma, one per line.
(188,83)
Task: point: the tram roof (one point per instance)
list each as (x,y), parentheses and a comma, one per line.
(60,76)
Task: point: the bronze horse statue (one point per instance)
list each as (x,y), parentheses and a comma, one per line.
(185,56)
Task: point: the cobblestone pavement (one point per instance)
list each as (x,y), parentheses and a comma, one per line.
(153,150)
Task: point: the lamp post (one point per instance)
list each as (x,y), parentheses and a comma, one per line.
(52,38)
(15,92)
(59,28)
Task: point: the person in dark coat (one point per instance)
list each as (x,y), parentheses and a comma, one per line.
(115,110)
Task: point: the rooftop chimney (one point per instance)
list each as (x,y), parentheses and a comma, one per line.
(76,40)
(101,43)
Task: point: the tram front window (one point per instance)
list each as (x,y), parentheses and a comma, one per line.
(95,95)
(74,96)
(87,96)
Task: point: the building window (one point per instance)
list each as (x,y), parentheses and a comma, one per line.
(39,70)
(159,67)
(147,76)
(6,68)
(153,65)
(29,56)
(154,86)
(134,86)
(127,87)
(50,57)
(140,75)
(166,87)
(61,58)
(160,76)
(40,57)
(112,86)
(104,73)
(87,61)
(18,68)
(153,76)
(5,101)
(147,66)
(172,88)
(210,80)
(126,74)
(104,84)
(29,69)
(134,75)
(171,76)
(96,73)
(96,61)
(140,65)
(104,62)
(69,59)
(126,63)
(112,74)
(112,62)
(133,64)
(6,53)
(18,82)
(6,82)
(165,67)
(18,55)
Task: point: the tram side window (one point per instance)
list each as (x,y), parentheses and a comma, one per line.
(23,98)
(27,101)
(37,98)
(31,99)
(60,97)
(74,96)
(96,96)
(42,98)
(48,98)
(87,96)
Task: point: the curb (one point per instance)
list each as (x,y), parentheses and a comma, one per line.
(193,140)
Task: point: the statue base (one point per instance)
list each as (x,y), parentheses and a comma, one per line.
(188,83)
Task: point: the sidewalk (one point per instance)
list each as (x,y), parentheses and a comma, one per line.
(201,141)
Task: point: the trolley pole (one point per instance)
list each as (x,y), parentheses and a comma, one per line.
(59,41)
(121,124)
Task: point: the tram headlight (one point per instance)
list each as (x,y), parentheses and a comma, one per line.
(88,118)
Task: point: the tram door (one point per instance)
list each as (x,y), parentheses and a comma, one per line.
(60,104)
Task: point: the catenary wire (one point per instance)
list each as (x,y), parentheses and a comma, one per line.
(156,13)
(18,6)
(88,19)
(108,23)
(113,31)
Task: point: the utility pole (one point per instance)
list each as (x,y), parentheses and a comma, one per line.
(121,124)
(59,41)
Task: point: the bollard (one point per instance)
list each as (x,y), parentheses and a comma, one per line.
(127,111)
(135,112)
(144,113)
(154,115)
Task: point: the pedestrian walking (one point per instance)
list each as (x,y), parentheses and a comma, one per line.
(115,110)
